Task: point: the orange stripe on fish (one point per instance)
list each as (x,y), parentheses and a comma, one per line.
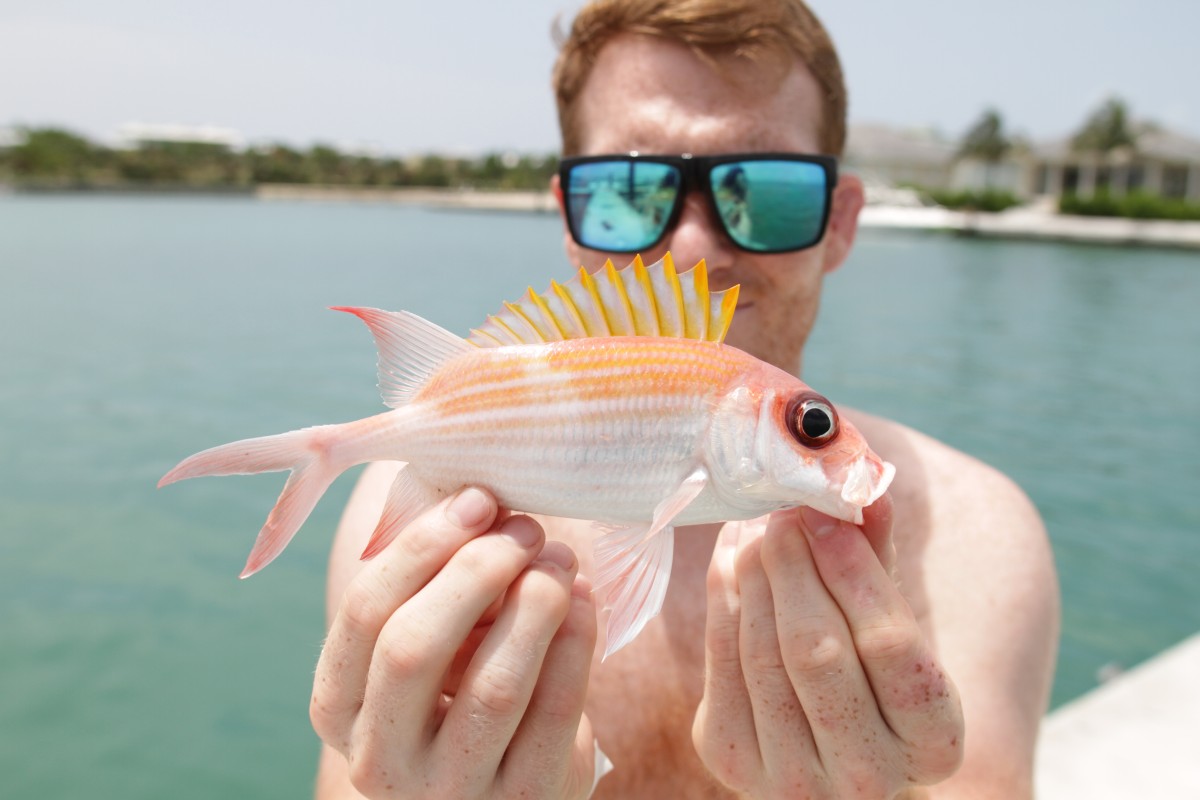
(558,410)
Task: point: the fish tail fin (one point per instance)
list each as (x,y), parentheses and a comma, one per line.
(308,453)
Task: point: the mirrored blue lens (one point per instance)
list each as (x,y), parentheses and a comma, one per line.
(771,205)
(621,206)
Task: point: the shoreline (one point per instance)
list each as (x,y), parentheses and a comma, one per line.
(1037,224)
(1033,222)
(431,197)
(1028,222)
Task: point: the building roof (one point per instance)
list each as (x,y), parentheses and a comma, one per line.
(880,144)
(135,133)
(1152,142)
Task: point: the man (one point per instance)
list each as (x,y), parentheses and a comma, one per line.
(796,656)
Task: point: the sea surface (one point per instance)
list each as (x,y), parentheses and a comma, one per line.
(134,331)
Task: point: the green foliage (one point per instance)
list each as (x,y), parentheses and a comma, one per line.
(51,158)
(966,200)
(986,139)
(1135,205)
(55,155)
(1106,129)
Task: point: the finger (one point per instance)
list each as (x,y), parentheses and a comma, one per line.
(381,587)
(418,643)
(783,732)
(819,654)
(877,527)
(550,756)
(723,730)
(914,695)
(497,687)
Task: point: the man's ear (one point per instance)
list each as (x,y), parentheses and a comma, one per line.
(848,199)
(573,252)
(556,190)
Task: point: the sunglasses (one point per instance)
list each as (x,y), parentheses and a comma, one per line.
(766,202)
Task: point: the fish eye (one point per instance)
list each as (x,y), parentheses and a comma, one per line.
(811,420)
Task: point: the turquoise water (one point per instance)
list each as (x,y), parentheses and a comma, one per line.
(135,331)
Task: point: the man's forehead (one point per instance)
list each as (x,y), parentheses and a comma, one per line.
(650,94)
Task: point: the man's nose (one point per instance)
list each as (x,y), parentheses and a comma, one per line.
(698,235)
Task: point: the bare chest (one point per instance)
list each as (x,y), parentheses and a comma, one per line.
(643,699)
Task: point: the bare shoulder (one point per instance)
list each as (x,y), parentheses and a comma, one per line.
(948,489)
(976,565)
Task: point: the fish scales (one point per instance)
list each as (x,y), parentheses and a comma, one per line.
(643,432)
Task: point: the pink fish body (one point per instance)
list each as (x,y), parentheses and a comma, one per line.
(642,433)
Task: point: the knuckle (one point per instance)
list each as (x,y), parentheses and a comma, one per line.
(863,780)
(888,644)
(402,657)
(362,609)
(325,722)
(727,762)
(486,563)
(815,655)
(550,597)
(760,656)
(937,757)
(497,693)
(940,763)
(723,649)
(368,777)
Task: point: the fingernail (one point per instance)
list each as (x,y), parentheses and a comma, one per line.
(559,554)
(817,524)
(521,530)
(470,508)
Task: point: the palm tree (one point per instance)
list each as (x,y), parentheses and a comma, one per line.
(1106,129)
(986,139)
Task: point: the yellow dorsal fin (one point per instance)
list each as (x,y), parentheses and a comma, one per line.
(638,300)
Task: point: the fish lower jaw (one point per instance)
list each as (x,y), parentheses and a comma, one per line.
(865,481)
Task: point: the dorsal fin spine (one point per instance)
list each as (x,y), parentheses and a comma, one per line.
(590,284)
(652,315)
(641,299)
(728,304)
(507,328)
(700,287)
(548,313)
(615,280)
(672,278)
(521,316)
(578,318)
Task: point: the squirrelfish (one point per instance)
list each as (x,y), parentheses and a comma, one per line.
(608,398)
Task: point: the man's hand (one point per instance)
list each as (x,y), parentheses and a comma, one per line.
(819,680)
(457,663)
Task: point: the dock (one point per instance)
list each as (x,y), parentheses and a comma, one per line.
(1138,735)
(1034,222)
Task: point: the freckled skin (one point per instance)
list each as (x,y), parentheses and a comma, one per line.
(970,556)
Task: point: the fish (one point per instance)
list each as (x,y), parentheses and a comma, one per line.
(611,398)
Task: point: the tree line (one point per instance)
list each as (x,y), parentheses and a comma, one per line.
(1108,127)
(57,158)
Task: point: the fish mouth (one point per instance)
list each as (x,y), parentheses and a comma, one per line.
(866,480)
(861,481)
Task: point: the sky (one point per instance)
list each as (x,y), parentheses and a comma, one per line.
(407,77)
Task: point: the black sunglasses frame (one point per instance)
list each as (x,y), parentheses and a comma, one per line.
(695,172)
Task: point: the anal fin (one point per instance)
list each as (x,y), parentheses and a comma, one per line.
(633,566)
(407,498)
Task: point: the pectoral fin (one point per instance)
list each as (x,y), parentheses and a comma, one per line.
(633,566)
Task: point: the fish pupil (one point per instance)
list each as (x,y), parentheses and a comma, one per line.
(816,423)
